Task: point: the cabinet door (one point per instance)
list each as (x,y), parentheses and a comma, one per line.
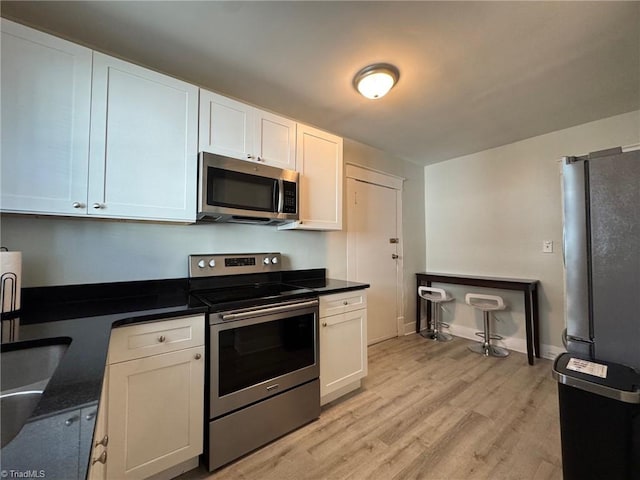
(343,350)
(226,126)
(143,161)
(56,438)
(319,161)
(46,98)
(155,413)
(275,140)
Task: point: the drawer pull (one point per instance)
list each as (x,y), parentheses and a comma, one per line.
(324,324)
(103,442)
(101,459)
(162,338)
(345,303)
(69,421)
(198,356)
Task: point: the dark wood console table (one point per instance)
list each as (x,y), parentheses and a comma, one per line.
(529,288)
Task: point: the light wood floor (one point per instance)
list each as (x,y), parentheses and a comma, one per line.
(426,410)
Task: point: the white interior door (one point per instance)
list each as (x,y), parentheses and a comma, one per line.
(371,225)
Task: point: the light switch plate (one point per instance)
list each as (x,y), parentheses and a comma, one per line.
(547,246)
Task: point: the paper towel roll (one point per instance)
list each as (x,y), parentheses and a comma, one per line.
(10,280)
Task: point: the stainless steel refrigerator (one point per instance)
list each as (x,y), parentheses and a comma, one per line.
(601,193)
(599,376)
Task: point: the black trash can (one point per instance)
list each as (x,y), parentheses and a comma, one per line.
(599,419)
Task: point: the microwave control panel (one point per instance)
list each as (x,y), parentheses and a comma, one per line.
(290,197)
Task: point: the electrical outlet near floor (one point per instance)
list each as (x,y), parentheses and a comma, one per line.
(547,246)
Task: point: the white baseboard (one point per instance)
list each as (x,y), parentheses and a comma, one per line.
(549,352)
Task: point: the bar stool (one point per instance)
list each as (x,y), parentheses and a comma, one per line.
(438,296)
(488,304)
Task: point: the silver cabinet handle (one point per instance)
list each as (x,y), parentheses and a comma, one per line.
(198,356)
(77,205)
(103,442)
(90,416)
(162,338)
(98,205)
(69,421)
(102,458)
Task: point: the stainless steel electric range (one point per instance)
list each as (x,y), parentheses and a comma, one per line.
(263,352)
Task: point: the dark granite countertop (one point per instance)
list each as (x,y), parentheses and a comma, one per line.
(83,316)
(56,439)
(316,280)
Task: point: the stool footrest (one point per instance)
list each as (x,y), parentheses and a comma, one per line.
(492,336)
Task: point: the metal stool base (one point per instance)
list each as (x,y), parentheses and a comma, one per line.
(488,350)
(437,336)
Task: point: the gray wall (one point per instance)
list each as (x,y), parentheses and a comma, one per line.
(64,251)
(488,213)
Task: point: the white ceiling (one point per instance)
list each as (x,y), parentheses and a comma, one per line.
(473,75)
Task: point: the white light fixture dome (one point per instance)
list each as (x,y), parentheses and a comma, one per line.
(375,81)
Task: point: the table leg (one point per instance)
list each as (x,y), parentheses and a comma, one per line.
(528,325)
(418,306)
(535,317)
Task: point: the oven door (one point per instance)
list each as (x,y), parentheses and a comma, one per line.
(261,352)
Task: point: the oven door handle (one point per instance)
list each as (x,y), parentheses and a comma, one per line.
(268,310)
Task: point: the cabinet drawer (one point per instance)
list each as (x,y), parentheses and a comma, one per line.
(145,339)
(342,302)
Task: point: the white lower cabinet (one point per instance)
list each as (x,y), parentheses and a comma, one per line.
(343,343)
(155,402)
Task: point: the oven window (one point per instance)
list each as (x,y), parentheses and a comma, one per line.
(256,353)
(241,190)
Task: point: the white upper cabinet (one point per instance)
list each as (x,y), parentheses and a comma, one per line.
(46,98)
(143,161)
(275,140)
(226,126)
(238,130)
(87,134)
(319,161)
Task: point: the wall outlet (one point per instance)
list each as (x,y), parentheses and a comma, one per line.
(547,246)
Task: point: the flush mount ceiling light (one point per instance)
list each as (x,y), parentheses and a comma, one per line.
(375,81)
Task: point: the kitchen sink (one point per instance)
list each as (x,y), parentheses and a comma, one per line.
(26,368)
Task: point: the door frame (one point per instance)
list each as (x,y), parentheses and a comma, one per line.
(382,179)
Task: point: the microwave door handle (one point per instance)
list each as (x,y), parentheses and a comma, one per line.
(280,194)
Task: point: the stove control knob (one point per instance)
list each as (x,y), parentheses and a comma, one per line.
(212,263)
(274,260)
(266,260)
(201,264)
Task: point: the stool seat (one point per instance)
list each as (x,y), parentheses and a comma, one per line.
(433,294)
(487,304)
(437,296)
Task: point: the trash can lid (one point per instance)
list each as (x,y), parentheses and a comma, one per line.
(607,379)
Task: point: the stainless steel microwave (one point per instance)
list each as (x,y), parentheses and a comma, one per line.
(231,190)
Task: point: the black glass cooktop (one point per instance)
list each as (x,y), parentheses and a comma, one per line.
(243,296)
